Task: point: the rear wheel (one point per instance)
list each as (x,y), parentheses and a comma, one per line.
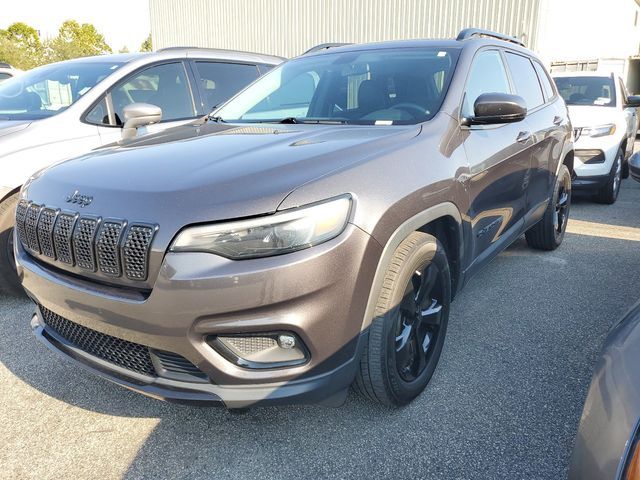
(609,192)
(8,277)
(548,233)
(407,334)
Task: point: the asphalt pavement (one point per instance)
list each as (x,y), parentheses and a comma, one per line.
(504,402)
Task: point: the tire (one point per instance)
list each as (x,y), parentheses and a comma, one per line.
(393,369)
(548,233)
(8,278)
(608,194)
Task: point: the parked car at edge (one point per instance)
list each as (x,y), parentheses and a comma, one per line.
(65,109)
(605,122)
(310,234)
(7,72)
(607,445)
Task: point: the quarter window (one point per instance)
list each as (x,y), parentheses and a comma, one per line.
(487,76)
(221,81)
(544,80)
(525,80)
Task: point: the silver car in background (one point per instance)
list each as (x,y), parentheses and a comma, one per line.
(607,444)
(64,109)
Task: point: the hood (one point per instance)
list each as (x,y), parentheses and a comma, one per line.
(11,126)
(591,115)
(208,172)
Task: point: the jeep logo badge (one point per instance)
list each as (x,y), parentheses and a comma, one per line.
(82,200)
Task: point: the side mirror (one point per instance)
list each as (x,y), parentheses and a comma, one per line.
(138,115)
(495,108)
(633,101)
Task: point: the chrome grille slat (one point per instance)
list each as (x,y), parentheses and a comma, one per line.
(31,227)
(108,248)
(136,251)
(45,231)
(83,242)
(62,237)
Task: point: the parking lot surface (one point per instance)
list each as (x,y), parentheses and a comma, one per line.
(504,402)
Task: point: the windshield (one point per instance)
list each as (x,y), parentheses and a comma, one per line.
(382,87)
(599,91)
(49,90)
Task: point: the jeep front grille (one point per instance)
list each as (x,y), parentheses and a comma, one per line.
(111,247)
(125,354)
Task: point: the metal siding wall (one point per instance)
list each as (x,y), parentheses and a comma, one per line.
(289,27)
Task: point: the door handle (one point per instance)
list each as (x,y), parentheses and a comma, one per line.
(523,137)
(557,120)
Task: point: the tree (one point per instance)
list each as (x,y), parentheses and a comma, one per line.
(75,40)
(20,46)
(146,45)
(123,50)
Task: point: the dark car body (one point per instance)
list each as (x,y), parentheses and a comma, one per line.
(478,187)
(609,426)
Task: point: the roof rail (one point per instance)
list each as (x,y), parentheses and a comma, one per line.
(479,32)
(168,49)
(325,46)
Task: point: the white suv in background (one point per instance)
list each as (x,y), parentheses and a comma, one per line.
(605,122)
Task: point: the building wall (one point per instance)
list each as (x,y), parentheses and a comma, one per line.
(289,27)
(572,30)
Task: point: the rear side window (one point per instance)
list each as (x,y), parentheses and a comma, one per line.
(544,80)
(487,76)
(221,81)
(525,80)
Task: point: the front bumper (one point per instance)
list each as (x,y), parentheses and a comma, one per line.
(592,173)
(319,294)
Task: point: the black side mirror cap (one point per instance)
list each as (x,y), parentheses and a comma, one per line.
(633,101)
(495,108)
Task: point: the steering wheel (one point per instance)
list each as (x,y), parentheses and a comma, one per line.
(412,109)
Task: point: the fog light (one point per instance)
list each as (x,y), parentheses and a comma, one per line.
(265,350)
(286,341)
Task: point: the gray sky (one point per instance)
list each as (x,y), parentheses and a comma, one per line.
(122,22)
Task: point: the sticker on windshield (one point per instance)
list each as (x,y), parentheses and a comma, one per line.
(384,122)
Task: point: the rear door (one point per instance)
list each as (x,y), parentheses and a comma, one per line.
(547,122)
(218,81)
(499,159)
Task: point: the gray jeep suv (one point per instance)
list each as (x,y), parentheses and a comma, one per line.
(307,236)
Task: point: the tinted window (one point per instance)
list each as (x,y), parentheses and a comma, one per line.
(163,85)
(99,114)
(487,75)
(387,86)
(51,89)
(525,80)
(598,91)
(4,76)
(221,81)
(544,80)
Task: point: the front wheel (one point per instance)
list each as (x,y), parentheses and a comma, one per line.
(548,233)
(608,194)
(8,277)
(407,334)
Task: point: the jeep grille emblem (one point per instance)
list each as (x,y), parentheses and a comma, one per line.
(82,200)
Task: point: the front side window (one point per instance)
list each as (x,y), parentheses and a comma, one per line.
(579,90)
(165,86)
(384,87)
(221,81)
(525,80)
(51,89)
(487,75)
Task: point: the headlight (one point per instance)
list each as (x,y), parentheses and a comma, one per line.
(276,234)
(599,131)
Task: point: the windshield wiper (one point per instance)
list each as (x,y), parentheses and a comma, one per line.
(212,118)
